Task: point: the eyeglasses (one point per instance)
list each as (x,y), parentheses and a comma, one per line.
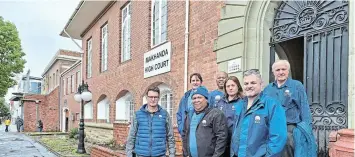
(153,97)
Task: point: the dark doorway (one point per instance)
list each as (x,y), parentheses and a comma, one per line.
(66,120)
(293,51)
(66,124)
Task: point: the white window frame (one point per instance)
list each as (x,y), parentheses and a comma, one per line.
(78,78)
(89,64)
(125,103)
(103,109)
(69,84)
(104,42)
(73,83)
(65,86)
(88,110)
(158,34)
(126,33)
(169,102)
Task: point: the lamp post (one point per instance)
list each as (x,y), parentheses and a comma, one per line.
(82,95)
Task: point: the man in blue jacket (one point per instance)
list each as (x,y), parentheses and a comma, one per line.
(218,94)
(293,98)
(151,130)
(260,120)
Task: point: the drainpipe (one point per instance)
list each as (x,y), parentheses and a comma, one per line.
(187,6)
(60,100)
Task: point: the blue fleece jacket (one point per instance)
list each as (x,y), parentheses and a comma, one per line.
(212,97)
(260,130)
(293,98)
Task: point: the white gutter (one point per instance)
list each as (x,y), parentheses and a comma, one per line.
(187,6)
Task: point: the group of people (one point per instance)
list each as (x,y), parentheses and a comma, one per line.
(232,121)
(19,124)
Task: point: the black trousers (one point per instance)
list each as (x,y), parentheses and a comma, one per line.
(289,148)
(18,128)
(7,128)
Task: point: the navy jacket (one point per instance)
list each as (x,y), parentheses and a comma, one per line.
(228,108)
(182,112)
(212,97)
(261,130)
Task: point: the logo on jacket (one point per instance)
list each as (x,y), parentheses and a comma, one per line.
(204,122)
(233,108)
(287,92)
(257,119)
(160,116)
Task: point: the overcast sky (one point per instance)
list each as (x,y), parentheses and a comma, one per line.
(39,23)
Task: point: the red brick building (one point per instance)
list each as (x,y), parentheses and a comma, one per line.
(131,45)
(46,107)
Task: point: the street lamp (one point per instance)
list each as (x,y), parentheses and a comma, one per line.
(82,95)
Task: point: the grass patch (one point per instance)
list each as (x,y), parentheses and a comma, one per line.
(62,145)
(44,133)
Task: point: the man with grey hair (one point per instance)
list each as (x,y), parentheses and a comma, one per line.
(260,122)
(293,98)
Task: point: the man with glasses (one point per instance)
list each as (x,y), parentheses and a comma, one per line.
(293,98)
(260,122)
(151,131)
(205,131)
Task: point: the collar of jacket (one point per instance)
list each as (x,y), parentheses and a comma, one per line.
(205,111)
(144,108)
(259,102)
(225,99)
(286,84)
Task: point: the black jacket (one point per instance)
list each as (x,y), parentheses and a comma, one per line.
(211,134)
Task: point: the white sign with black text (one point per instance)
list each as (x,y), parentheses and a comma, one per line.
(158,60)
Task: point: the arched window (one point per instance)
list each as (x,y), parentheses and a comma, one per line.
(125,108)
(103,111)
(166,99)
(88,110)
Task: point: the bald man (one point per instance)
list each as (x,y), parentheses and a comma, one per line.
(218,94)
(293,98)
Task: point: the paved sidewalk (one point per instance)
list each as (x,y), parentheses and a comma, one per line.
(14,144)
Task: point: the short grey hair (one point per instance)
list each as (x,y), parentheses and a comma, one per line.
(255,72)
(284,62)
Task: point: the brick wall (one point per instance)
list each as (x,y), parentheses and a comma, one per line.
(128,75)
(98,151)
(121,130)
(47,109)
(341,143)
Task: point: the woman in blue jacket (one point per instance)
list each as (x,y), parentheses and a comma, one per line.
(234,94)
(185,104)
